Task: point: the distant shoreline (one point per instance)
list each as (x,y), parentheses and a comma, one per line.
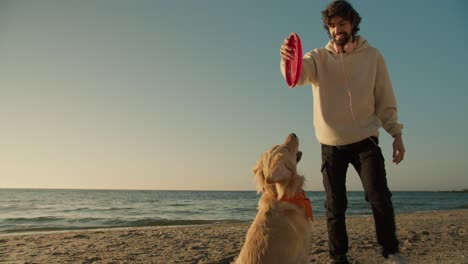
(188,224)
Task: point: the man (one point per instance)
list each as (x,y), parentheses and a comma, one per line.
(353,98)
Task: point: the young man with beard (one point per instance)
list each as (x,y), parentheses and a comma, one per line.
(353,99)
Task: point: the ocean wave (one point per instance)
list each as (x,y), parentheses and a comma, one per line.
(97,209)
(26,220)
(179,205)
(109,223)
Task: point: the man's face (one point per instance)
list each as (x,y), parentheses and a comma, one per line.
(340,30)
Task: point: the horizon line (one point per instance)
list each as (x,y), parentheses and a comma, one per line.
(199,190)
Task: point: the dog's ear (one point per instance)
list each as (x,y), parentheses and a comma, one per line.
(298,156)
(280,173)
(259,176)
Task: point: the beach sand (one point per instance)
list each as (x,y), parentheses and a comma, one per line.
(429,237)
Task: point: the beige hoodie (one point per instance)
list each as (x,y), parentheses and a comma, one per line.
(353,95)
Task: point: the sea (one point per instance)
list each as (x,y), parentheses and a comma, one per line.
(37,210)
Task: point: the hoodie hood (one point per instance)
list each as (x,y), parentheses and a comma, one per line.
(361,44)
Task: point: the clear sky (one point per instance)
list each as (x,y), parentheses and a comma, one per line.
(187,94)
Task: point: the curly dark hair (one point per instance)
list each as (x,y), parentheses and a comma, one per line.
(342,9)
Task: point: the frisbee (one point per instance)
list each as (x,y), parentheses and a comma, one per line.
(293,67)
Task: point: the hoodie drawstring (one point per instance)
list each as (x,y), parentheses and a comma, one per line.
(347,86)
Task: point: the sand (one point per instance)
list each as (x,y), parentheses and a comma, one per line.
(429,237)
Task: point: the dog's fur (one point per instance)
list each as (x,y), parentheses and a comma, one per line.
(281,231)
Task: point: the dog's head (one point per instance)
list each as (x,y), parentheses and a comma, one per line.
(278,167)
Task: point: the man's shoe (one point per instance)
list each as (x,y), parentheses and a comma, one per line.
(396,258)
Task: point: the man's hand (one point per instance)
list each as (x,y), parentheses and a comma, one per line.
(398,149)
(286,52)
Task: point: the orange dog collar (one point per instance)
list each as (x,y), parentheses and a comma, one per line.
(301,200)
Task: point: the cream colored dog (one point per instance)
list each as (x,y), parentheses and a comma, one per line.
(281,231)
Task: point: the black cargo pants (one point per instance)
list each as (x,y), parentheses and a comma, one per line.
(366,157)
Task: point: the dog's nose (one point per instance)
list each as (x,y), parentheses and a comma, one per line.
(293,135)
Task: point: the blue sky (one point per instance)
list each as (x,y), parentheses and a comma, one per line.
(181,95)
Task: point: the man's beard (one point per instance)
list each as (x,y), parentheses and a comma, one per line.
(343,40)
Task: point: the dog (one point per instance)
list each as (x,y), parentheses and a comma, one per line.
(281,230)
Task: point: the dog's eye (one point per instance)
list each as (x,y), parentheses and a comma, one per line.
(298,156)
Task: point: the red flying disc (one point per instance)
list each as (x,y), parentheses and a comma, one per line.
(294,67)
